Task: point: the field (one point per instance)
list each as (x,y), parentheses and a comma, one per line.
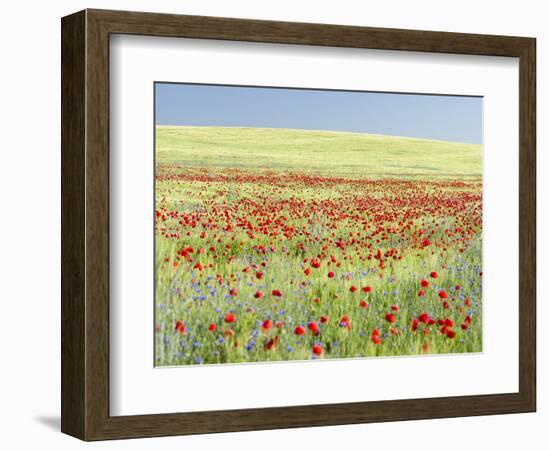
(291,245)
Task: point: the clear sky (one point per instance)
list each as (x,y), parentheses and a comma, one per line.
(449,118)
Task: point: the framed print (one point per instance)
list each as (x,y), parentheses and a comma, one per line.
(272,225)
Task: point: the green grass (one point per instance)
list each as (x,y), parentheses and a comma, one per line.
(325,152)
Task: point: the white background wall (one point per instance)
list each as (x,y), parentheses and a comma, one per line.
(30,226)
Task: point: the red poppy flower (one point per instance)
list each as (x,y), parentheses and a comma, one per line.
(230,318)
(267,324)
(421,293)
(317,350)
(259,275)
(212,327)
(323,319)
(450,333)
(307,271)
(353,288)
(233,292)
(180,327)
(376,339)
(367,289)
(442,294)
(394,308)
(313,327)
(424,318)
(331,274)
(415,324)
(299,331)
(276,293)
(424,283)
(258,294)
(433,274)
(363,304)
(390,318)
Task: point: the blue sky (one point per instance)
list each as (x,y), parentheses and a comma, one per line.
(449,118)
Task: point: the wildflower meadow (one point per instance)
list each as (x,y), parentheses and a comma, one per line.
(275,245)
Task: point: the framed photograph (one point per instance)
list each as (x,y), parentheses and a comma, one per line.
(272,225)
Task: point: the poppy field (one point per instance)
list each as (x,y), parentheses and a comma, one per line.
(275,245)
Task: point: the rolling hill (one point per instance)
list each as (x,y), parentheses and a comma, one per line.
(324,152)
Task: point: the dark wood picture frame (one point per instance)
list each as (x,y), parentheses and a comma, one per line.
(85,224)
